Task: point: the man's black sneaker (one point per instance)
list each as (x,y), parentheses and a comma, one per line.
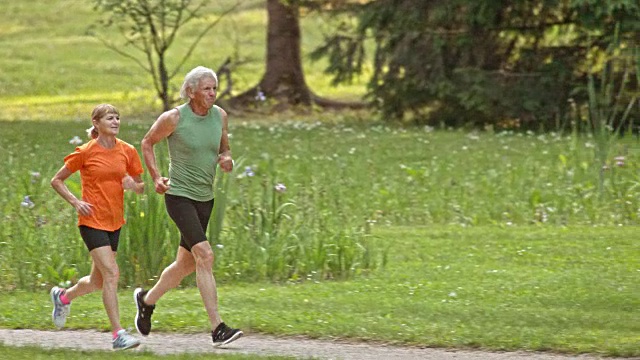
(143,315)
(223,335)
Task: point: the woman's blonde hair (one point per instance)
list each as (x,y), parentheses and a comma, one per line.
(98,113)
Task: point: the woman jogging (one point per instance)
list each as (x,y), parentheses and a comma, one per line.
(108,166)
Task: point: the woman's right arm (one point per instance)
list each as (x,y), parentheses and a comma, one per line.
(57,182)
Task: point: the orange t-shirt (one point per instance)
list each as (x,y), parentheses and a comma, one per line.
(101,173)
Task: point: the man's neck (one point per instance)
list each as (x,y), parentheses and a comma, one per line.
(199,109)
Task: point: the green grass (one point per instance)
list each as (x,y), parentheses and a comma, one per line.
(34,353)
(572,290)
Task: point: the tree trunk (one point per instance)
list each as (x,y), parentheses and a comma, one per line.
(283,79)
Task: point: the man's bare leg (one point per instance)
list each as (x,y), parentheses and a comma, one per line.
(203,255)
(171,276)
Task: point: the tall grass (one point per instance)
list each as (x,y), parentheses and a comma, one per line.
(610,103)
(340,180)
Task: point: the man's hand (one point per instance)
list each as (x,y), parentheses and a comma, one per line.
(226,163)
(162,184)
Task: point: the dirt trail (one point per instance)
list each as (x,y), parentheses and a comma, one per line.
(174,343)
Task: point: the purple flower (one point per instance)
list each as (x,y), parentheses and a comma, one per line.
(248,171)
(27,203)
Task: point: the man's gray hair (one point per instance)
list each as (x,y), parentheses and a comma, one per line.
(192,79)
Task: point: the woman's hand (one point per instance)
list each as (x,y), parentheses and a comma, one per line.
(83,208)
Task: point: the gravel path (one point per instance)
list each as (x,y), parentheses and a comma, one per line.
(174,343)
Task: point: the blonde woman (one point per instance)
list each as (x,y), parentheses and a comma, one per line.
(108,166)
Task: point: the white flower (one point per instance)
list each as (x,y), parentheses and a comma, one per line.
(75,141)
(34,176)
(280,188)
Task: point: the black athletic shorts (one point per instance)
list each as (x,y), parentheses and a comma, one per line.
(95,238)
(191,217)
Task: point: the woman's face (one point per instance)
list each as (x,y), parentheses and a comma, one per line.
(108,125)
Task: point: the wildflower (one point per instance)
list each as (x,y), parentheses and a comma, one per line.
(27,203)
(248,171)
(280,188)
(75,141)
(40,221)
(34,176)
(260,96)
(619,160)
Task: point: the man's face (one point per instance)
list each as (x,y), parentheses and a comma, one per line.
(206,92)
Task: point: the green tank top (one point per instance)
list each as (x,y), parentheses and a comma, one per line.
(193,153)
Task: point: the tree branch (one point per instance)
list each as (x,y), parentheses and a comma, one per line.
(197,40)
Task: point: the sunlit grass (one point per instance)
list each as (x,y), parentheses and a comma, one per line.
(56,76)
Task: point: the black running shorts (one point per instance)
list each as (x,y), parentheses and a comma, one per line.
(95,238)
(191,217)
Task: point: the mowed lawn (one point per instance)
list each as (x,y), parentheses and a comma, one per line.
(571,290)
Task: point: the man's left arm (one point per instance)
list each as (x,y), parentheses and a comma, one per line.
(224,154)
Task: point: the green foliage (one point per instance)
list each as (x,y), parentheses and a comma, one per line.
(509,64)
(608,112)
(275,237)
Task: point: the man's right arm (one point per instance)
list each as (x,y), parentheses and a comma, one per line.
(161,128)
